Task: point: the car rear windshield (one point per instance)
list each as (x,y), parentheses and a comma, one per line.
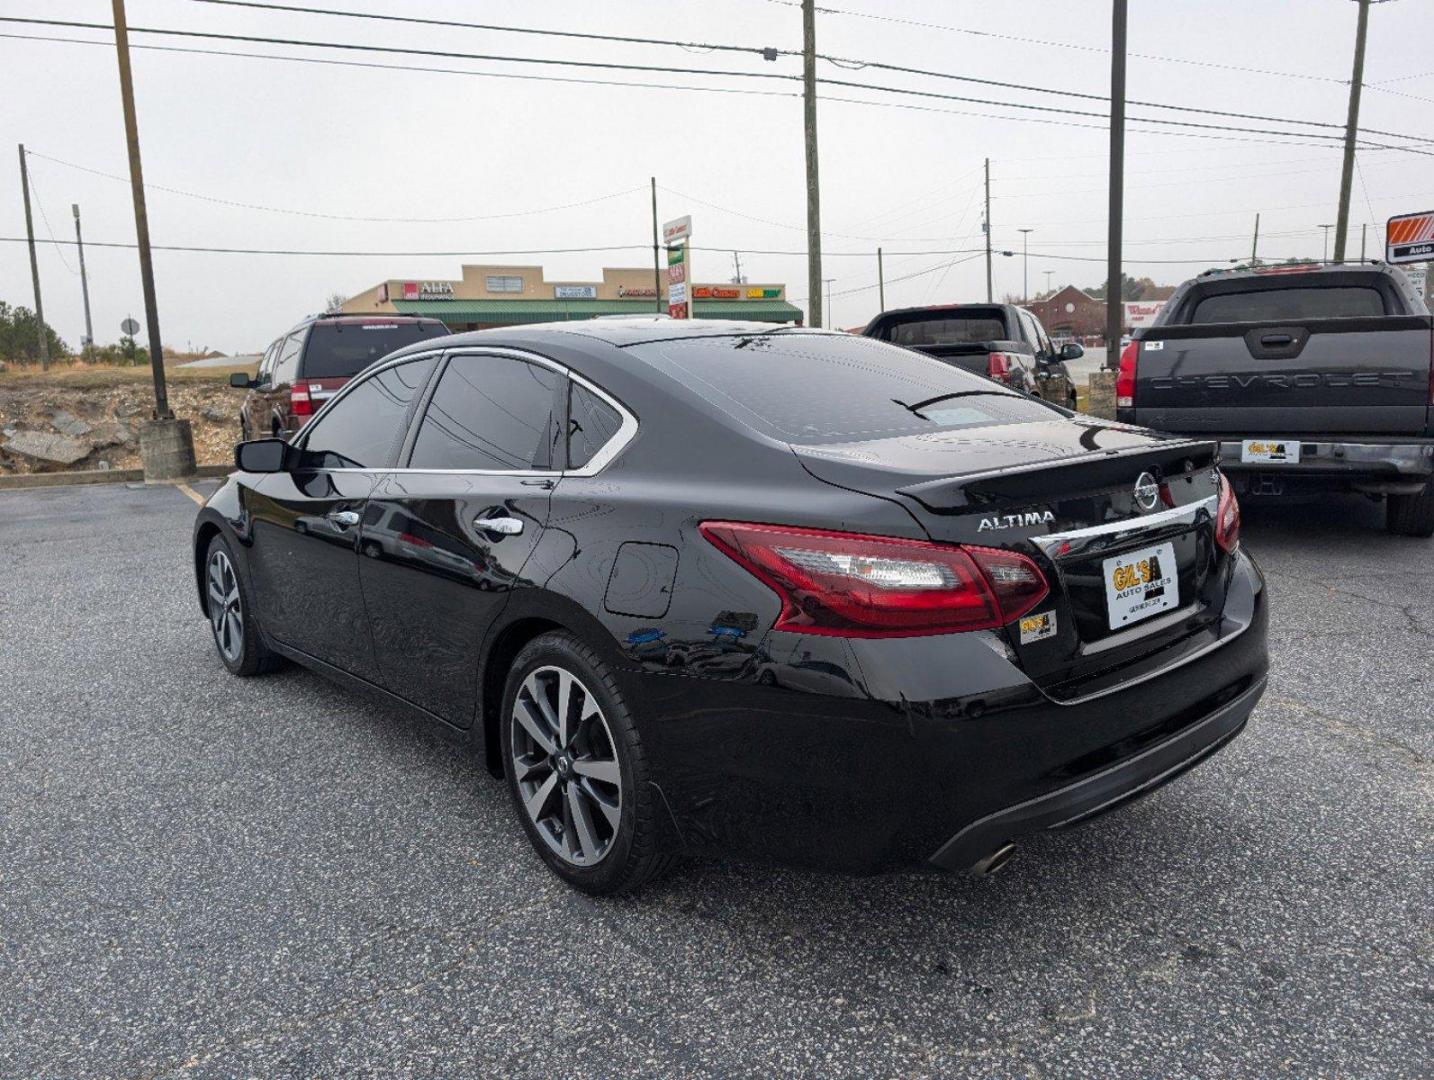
(808,388)
(338,350)
(1341,302)
(952,328)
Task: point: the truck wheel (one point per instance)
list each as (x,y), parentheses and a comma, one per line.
(1411,515)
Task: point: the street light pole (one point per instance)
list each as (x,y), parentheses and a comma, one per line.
(814,215)
(1025,265)
(84,282)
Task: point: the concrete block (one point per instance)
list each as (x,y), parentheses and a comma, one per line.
(166,450)
(1101,399)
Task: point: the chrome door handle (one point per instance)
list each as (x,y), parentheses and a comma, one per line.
(343,518)
(504,526)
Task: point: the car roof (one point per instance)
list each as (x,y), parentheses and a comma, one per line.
(636,330)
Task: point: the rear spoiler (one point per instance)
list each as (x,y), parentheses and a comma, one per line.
(1040,480)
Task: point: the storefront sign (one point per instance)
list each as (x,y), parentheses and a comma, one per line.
(676,231)
(1141,313)
(637,292)
(427,290)
(677,282)
(575,292)
(1409,238)
(763,294)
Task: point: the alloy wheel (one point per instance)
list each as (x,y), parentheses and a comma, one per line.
(226,612)
(565,763)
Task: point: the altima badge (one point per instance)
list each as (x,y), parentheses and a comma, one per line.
(1011,521)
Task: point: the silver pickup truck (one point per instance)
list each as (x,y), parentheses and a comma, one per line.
(1310,380)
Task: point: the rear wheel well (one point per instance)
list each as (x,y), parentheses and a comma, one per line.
(207,532)
(508,644)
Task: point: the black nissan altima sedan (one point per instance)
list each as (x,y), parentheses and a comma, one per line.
(718,586)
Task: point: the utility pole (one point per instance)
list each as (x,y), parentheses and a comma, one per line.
(1025,266)
(1351,131)
(987,227)
(1048,274)
(1255,244)
(1113,321)
(656,262)
(1326,229)
(814,216)
(880,282)
(737,268)
(34,265)
(84,281)
(141,215)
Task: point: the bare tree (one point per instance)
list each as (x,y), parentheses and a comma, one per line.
(334,303)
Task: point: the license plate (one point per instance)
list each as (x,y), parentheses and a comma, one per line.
(1269,451)
(1140,584)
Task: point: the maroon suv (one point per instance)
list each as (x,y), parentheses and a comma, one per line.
(306,367)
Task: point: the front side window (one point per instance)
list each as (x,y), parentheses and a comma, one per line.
(362,429)
(493,413)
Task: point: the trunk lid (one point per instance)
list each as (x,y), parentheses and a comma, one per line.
(1133,573)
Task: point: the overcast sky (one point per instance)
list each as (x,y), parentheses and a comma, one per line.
(512,155)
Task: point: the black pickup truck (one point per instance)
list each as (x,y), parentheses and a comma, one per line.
(1001,341)
(1311,380)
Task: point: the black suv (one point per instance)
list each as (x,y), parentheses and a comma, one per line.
(306,367)
(1001,341)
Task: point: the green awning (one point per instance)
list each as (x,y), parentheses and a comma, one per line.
(517,312)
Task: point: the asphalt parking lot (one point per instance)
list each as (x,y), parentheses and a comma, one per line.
(205,876)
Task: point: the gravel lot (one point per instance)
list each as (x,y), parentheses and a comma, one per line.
(204,876)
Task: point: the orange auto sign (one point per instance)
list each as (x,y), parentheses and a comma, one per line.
(1410,238)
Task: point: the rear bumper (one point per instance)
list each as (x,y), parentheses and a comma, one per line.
(1112,787)
(1375,466)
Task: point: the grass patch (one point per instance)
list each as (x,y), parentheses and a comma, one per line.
(83,376)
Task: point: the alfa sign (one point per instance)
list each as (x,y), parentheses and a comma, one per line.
(428,290)
(1409,238)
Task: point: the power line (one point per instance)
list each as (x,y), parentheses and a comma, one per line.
(335,217)
(1285,138)
(663,69)
(766,52)
(418,20)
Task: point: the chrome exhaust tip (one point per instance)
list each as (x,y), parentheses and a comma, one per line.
(991,863)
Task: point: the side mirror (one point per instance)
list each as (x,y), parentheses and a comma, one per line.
(1072,350)
(240,381)
(264,456)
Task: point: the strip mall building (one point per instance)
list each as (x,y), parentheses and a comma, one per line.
(514,295)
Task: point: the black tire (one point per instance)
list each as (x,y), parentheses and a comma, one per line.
(242,652)
(633,853)
(1411,515)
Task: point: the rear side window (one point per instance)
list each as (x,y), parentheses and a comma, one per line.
(817,388)
(340,350)
(362,428)
(286,367)
(1313,303)
(949,330)
(489,412)
(592,423)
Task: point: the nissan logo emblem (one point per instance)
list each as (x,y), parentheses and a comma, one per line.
(1147,491)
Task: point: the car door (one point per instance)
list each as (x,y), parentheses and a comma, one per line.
(305,523)
(446,536)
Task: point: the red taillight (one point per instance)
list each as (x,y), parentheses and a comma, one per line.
(1125,381)
(300,404)
(850,585)
(1227,518)
(998,365)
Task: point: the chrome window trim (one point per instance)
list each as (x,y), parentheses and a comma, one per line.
(625,433)
(1078,539)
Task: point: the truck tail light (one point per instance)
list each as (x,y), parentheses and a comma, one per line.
(1125,380)
(998,365)
(1227,518)
(300,404)
(852,585)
